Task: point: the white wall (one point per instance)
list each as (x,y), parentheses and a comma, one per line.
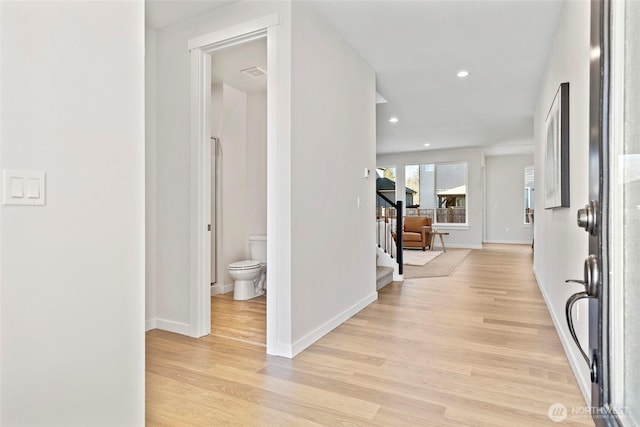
(505,199)
(233,172)
(151,124)
(73,271)
(460,236)
(333,141)
(257,163)
(560,246)
(323,135)
(240,120)
(173,160)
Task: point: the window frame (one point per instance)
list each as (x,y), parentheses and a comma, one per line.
(435,223)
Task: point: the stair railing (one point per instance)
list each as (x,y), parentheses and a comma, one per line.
(389,227)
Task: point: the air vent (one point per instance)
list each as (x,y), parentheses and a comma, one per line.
(254,72)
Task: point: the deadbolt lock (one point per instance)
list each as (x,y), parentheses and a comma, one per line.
(588,217)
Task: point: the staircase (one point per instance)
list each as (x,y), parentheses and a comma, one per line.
(384,276)
(388,243)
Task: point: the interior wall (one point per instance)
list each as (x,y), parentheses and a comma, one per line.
(233,209)
(257,163)
(240,120)
(560,246)
(151,124)
(174,163)
(460,236)
(505,199)
(73,281)
(333,135)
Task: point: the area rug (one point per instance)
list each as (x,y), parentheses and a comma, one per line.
(418,257)
(443,265)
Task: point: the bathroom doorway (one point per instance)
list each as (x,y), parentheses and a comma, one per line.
(278,308)
(238,184)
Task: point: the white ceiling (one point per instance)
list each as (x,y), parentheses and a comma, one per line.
(161,13)
(416,49)
(227,65)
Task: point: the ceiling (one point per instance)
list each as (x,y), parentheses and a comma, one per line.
(227,65)
(418,47)
(162,13)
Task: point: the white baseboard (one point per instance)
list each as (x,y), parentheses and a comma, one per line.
(149,325)
(458,246)
(171,326)
(575,360)
(327,327)
(220,288)
(510,242)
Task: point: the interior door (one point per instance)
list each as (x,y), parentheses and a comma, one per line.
(612,215)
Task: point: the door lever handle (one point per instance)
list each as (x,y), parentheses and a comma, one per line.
(568,308)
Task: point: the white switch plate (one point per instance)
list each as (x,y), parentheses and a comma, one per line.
(23,187)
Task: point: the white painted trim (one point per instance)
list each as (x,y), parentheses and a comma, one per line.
(278,179)
(330,325)
(200,305)
(241,32)
(149,325)
(567,344)
(279,306)
(171,326)
(1,221)
(440,226)
(459,245)
(220,288)
(510,242)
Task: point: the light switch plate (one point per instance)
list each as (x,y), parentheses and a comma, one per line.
(23,187)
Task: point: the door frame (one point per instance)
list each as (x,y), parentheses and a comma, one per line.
(200,196)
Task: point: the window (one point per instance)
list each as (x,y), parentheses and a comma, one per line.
(439,191)
(529,195)
(386,185)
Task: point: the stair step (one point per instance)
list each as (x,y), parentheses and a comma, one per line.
(384,276)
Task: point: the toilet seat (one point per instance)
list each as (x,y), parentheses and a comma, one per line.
(245,265)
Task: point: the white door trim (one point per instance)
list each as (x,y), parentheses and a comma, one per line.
(200,291)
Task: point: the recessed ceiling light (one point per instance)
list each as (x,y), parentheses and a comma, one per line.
(393,120)
(462,73)
(426,144)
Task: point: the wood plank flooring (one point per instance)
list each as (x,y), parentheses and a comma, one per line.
(474,349)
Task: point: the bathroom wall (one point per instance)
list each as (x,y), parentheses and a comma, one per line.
(234,206)
(257,163)
(239,119)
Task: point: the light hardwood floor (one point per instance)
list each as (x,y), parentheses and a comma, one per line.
(474,349)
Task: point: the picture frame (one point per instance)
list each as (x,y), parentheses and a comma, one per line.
(557,151)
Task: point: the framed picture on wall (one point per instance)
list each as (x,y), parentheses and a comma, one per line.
(557,151)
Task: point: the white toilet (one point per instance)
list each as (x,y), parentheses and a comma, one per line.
(250,276)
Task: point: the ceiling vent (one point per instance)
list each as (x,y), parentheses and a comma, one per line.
(254,72)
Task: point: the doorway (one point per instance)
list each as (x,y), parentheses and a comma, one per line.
(239,185)
(201,50)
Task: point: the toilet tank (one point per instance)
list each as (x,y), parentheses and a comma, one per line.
(258,248)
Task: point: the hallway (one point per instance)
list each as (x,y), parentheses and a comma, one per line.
(474,349)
